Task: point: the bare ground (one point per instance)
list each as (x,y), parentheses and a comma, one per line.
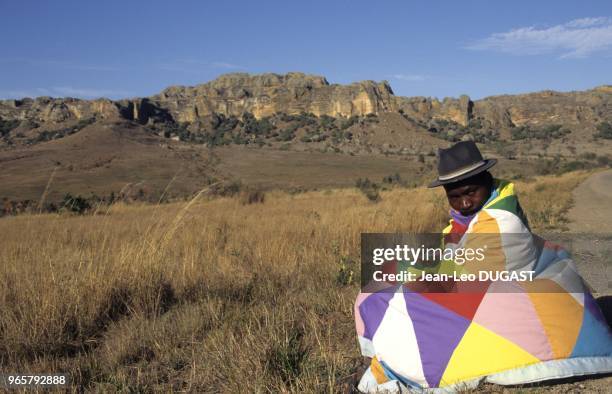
(592,201)
(591,228)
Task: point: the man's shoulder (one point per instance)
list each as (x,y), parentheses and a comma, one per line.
(505,198)
(506,204)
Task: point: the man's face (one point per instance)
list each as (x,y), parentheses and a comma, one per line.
(467,198)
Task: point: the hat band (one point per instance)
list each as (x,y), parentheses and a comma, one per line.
(461,171)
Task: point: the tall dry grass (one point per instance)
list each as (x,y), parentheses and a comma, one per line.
(209,295)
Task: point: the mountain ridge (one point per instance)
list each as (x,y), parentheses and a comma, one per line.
(295,92)
(283,131)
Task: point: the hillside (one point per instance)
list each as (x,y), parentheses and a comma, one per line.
(291,130)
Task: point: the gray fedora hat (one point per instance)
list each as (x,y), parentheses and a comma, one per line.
(459,162)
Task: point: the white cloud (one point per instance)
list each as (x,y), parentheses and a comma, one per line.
(410,77)
(575,39)
(588,22)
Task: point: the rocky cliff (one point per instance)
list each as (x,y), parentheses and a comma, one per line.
(56,110)
(265,94)
(294,93)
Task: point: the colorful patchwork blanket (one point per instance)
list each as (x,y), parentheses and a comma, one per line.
(505,332)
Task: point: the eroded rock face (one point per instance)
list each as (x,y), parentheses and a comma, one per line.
(142,110)
(501,112)
(293,93)
(424,109)
(56,110)
(265,94)
(546,107)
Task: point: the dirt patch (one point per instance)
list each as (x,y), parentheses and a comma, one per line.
(592,201)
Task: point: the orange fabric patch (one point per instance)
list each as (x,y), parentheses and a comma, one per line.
(485,234)
(559,313)
(378,371)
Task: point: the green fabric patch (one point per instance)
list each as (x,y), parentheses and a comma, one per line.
(512,205)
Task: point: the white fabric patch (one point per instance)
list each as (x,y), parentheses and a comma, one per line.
(516,239)
(396,344)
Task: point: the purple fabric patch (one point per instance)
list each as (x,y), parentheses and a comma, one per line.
(459,218)
(591,305)
(438,332)
(373,309)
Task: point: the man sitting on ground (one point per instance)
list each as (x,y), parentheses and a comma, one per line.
(505,332)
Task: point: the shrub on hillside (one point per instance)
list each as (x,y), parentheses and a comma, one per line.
(287,134)
(12,207)
(452,131)
(604,161)
(393,179)
(339,136)
(369,189)
(349,122)
(371,118)
(7,125)
(475,123)
(553,131)
(604,130)
(49,135)
(178,129)
(327,122)
(574,165)
(252,125)
(215,138)
(588,156)
(226,189)
(222,123)
(75,204)
(306,119)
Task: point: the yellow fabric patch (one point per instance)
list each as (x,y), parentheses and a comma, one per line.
(482,352)
(378,371)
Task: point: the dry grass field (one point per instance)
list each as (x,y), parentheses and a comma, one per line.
(211,294)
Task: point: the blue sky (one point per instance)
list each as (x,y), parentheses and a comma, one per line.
(423,48)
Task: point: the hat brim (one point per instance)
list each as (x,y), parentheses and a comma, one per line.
(488,163)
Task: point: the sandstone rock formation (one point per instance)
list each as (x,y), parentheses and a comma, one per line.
(56,110)
(266,94)
(423,109)
(586,107)
(293,93)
